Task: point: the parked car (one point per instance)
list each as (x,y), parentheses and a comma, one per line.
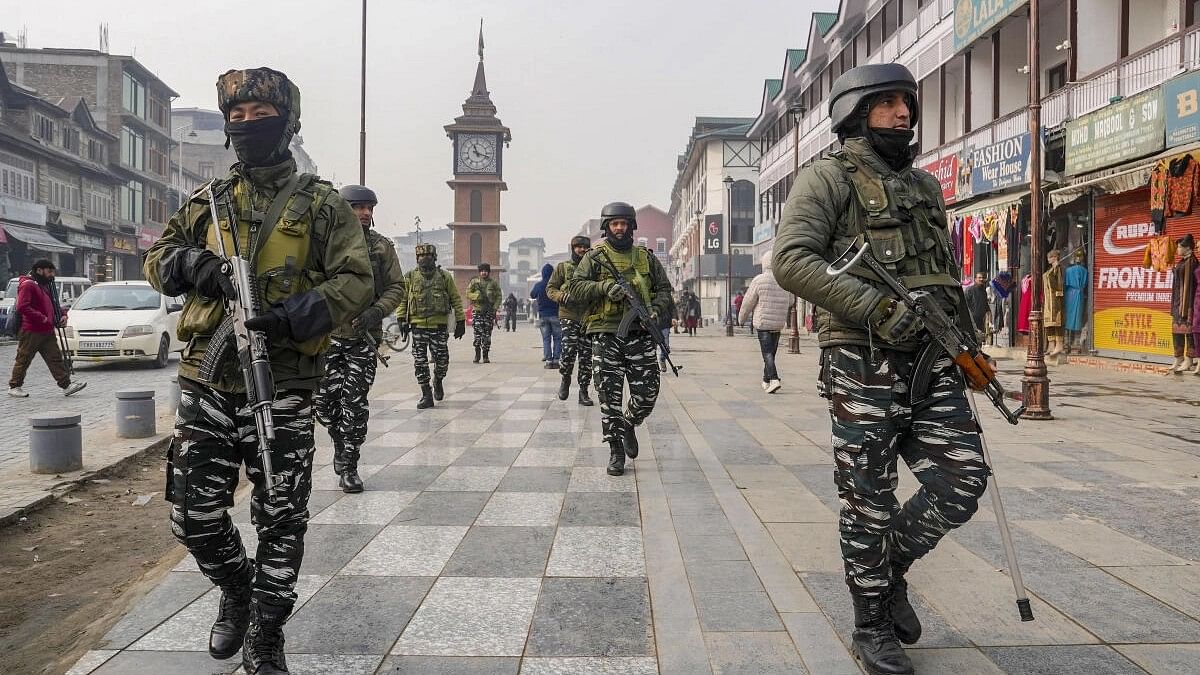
(69,290)
(124,321)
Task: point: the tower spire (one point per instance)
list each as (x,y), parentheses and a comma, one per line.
(481,38)
(480,87)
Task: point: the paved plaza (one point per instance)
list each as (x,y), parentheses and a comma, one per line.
(490,539)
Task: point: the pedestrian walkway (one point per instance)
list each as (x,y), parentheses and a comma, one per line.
(490,540)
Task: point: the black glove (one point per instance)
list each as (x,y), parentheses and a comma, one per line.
(405,329)
(460,329)
(209,279)
(370,319)
(895,322)
(274,323)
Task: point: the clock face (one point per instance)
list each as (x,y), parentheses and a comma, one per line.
(477,153)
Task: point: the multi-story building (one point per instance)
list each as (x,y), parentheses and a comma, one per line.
(442,239)
(133,105)
(57,193)
(525,259)
(713,218)
(1117,92)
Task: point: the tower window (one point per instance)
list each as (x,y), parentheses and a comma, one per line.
(476,248)
(476,207)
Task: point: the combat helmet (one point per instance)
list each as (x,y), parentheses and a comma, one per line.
(618,210)
(426,249)
(358,194)
(855,87)
(265,85)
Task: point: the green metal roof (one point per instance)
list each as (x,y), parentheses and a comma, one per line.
(773,87)
(824,21)
(795,57)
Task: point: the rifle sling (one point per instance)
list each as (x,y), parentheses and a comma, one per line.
(278,204)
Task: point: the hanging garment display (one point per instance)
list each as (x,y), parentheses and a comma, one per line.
(1181,185)
(1075,283)
(956,237)
(991,223)
(1158,195)
(1160,253)
(1026,304)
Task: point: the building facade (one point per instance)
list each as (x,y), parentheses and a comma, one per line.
(525,259)
(406,246)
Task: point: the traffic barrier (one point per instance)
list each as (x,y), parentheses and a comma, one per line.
(135,413)
(55,442)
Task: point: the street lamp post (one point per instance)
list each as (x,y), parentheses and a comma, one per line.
(797,109)
(728,181)
(362,105)
(179,173)
(699,244)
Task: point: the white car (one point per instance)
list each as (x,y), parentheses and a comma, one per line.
(124,321)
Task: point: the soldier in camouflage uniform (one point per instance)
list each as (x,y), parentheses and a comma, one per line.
(429,296)
(618,359)
(308,261)
(341,403)
(574,340)
(870,343)
(484,294)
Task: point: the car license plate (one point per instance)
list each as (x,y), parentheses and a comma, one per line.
(96,344)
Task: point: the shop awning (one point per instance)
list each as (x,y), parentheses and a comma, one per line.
(1115,181)
(985,204)
(38,239)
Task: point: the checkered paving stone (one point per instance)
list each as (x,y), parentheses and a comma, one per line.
(490,539)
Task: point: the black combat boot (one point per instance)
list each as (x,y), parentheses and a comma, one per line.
(476,355)
(583,395)
(438,392)
(564,388)
(350,481)
(485,357)
(263,651)
(874,640)
(629,440)
(904,617)
(339,458)
(616,458)
(233,616)
(426,398)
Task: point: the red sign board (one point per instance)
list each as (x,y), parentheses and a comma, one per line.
(1132,303)
(946,171)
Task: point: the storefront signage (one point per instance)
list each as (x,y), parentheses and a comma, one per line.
(973,18)
(20,211)
(946,171)
(1122,131)
(1181,97)
(1131,303)
(764,231)
(147,236)
(1000,165)
(122,243)
(85,240)
(714,234)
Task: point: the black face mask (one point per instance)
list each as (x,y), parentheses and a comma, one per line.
(575,257)
(622,242)
(893,146)
(255,141)
(427,265)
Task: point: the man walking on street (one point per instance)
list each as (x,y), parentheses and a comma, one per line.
(870,342)
(309,265)
(574,341)
(429,296)
(617,358)
(766,306)
(977,305)
(341,402)
(484,294)
(548,319)
(510,313)
(40,315)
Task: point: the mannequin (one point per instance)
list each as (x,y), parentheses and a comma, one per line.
(1075,284)
(1052,304)
(1026,304)
(1196,315)
(1183,290)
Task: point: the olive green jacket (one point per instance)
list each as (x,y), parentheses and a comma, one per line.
(821,219)
(556,290)
(484,292)
(333,287)
(585,287)
(389,282)
(412,307)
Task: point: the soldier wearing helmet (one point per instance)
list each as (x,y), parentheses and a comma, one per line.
(308,263)
(341,402)
(620,358)
(574,341)
(429,296)
(484,294)
(870,343)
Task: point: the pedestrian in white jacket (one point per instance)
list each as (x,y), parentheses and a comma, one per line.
(768,304)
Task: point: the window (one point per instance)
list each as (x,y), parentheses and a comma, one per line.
(133,96)
(206,170)
(95,150)
(742,212)
(158,159)
(131,202)
(157,111)
(64,195)
(133,149)
(642,241)
(98,205)
(70,139)
(476,215)
(522,250)
(660,245)
(43,128)
(17,177)
(1056,78)
(476,248)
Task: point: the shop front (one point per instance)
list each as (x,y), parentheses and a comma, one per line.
(89,254)
(121,258)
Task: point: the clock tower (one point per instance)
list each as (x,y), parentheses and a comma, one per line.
(478,140)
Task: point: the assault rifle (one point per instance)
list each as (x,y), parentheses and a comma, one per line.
(947,336)
(637,312)
(251,346)
(375,346)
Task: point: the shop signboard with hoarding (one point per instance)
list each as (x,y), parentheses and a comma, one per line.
(1000,165)
(1128,129)
(974,18)
(1131,304)
(1181,98)
(946,171)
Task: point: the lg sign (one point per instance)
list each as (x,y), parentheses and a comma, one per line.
(712,235)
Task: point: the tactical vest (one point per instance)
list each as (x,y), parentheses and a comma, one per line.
(373,240)
(634,266)
(427,297)
(483,288)
(906,228)
(279,256)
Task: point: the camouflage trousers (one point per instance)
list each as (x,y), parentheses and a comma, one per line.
(873,423)
(575,342)
(430,343)
(482,324)
(341,403)
(615,360)
(213,440)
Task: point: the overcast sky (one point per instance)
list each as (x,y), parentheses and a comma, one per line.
(600,96)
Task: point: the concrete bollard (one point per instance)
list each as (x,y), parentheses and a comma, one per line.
(173,394)
(55,442)
(135,413)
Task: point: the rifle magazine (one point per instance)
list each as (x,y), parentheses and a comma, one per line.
(220,345)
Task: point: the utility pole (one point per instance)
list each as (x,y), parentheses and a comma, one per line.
(362,123)
(1035,385)
(797,110)
(728,181)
